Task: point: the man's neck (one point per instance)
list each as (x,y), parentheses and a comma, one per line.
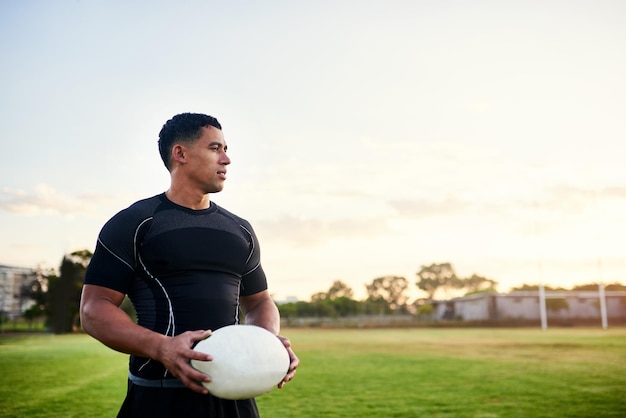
(191,200)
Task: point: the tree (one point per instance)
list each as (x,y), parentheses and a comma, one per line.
(321,308)
(476,283)
(339,299)
(37,291)
(390,289)
(593,287)
(535,287)
(557,304)
(340,289)
(345,306)
(319,296)
(615,286)
(127,306)
(437,276)
(425,310)
(64,292)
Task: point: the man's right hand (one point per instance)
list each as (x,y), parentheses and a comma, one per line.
(175,353)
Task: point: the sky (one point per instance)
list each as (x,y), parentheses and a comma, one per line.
(367,138)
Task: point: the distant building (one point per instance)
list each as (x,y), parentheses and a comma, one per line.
(525,305)
(13,280)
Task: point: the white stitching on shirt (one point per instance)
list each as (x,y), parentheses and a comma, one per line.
(172,320)
(135,243)
(113,254)
(252,240)
(251,252)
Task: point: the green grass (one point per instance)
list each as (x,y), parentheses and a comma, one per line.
(561,372)
(21,325)
(60,376)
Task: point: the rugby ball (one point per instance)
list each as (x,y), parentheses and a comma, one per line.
(248,361)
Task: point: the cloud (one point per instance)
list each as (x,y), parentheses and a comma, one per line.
(424,208)
(46,200)
(613,192)
(565,198)
(479,106)
(314,232)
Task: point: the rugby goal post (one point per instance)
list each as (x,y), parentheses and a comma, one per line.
(544,314)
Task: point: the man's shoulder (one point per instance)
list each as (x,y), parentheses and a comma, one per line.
(230,215)
(148,204)
(138,211)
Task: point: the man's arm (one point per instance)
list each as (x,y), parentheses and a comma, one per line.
(261,310)
(102,318)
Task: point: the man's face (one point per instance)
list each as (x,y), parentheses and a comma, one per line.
(207,161)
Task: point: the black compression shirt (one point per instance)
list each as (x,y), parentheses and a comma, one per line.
(182,269)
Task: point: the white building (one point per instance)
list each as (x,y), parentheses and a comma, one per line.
(567,305)
(12,282)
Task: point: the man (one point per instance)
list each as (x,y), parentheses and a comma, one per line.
(188,266)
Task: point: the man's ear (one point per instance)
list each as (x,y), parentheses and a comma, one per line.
(179,153)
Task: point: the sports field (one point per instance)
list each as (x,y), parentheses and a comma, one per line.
(560,372)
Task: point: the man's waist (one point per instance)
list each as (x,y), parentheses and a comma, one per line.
(155,383)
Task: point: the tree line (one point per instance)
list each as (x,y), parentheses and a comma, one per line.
(388,294)
(57,296)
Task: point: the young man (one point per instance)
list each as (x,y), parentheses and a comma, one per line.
(188,266)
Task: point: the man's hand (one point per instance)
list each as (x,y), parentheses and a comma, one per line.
(294,362)
(176,353)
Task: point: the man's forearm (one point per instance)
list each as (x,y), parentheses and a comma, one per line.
(114,328)
(264,314)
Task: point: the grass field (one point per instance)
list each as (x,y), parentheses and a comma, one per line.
(561,372)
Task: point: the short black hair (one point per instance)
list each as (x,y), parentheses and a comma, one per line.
(185,127)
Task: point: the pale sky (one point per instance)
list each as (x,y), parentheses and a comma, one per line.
(367,138)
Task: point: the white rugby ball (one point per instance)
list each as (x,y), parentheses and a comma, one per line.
(248,361)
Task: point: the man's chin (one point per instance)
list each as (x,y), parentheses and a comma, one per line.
(216,189)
